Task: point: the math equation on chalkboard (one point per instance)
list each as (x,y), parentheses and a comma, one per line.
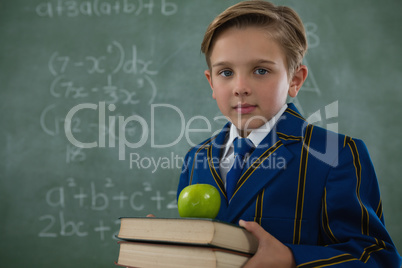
(70,203)
(99,8)
(115,60)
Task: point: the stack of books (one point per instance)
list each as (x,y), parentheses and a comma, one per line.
(183,242)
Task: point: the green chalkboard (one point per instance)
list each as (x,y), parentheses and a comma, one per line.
(124,79)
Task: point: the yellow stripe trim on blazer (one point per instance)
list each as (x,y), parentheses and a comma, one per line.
(302,184)
(288,137)
(214,173)
(345,141)
(345,257)
(258,207)
(370,249)
(328,262)
(195,156)
(256,164)
(294,114)
(356,163)
(379,210)
(325,220)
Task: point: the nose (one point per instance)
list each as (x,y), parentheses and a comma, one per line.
(241,87)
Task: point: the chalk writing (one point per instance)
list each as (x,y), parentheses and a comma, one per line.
(310,84)
(98,197)
(74,8)
(66,228)
(48,116)
(311,32)
(64,88)
(116,60)
(51,123)
(74,154)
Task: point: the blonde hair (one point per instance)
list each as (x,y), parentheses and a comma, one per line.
(283,23)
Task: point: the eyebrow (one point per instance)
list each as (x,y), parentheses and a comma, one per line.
(262,61)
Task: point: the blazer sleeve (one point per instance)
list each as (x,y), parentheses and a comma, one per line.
(352,232)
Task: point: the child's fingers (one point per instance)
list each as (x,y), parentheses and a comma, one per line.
(254,228)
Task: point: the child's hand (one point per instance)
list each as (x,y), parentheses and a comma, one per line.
(271,252)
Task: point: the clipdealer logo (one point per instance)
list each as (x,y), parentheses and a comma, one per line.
(331,154)
(147,131)
(328,156)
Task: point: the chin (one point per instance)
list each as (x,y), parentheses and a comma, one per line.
(246,126)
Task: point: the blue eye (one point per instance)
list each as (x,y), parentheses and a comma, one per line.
(261,71)
(226,73)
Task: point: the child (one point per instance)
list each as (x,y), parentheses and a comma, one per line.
(310,196)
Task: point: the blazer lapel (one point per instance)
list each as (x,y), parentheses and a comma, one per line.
(267,161)
(214,156)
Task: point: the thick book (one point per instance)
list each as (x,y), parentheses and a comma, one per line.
(194,231)
(135,254)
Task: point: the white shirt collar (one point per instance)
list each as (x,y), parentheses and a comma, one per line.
(256,135)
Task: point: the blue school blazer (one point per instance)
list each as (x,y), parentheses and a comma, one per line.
(314,190)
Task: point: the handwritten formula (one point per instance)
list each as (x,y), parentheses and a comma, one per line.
(72,9)
(115,60)
(97,198)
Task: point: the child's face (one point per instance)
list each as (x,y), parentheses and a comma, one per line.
(248,77)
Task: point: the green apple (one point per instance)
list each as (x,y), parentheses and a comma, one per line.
(199,201)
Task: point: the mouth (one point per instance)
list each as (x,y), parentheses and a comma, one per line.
(244,108)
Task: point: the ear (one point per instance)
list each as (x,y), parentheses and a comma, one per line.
(297,80)
(209,78)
